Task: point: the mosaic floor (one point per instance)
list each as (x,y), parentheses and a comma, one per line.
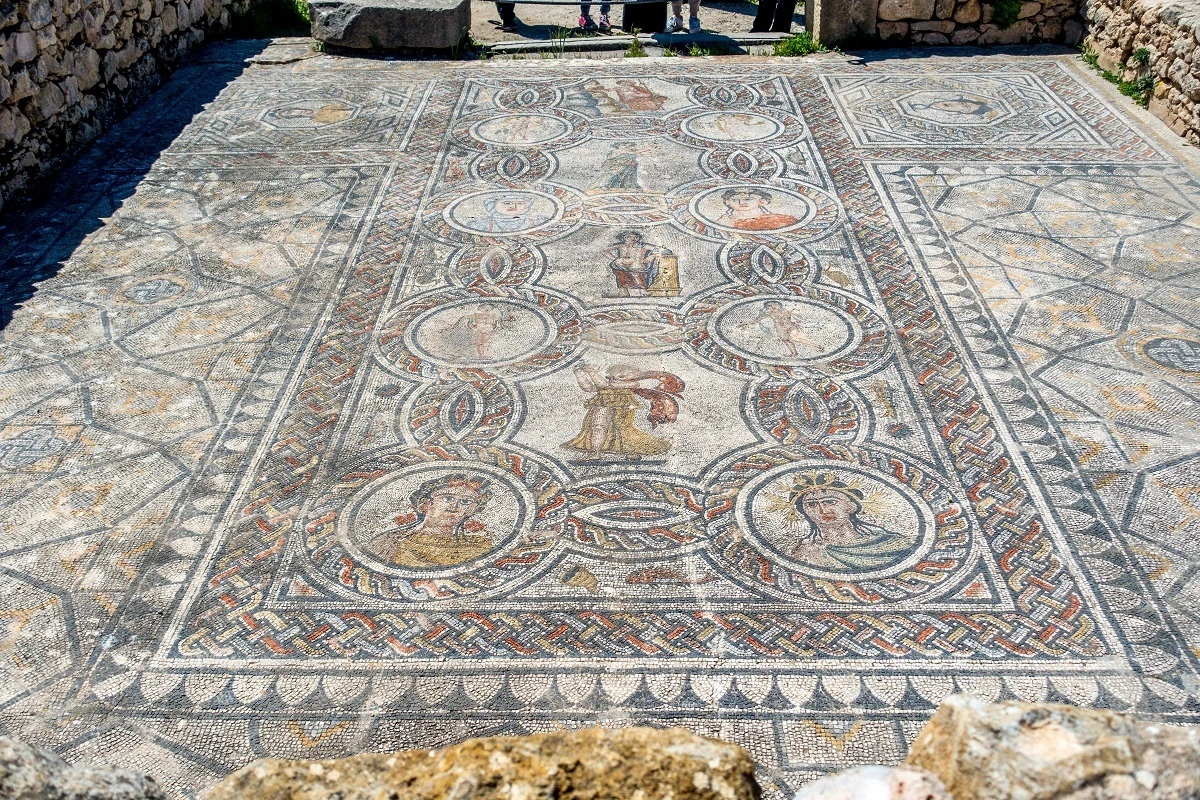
(391,404)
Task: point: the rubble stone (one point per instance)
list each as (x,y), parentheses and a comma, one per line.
(575,765)
(1023,751)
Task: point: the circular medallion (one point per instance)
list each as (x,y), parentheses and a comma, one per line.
(480,332)
(794,334)
(817,527)
(1174,353)
(432,524)
(312,113)
(953,107)
(513,333)
(538,211)
(1163,350)
(520,130)
(504,212)
(783,330)
(153,291)
(732,126)
(754,210)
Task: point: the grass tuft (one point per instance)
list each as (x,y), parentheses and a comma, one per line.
(802,44)
(1140,90)
(635,49)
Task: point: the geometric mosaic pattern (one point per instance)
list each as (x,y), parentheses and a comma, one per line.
(398,403)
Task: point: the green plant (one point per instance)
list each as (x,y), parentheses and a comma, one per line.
(1005,13)
(468,49)
(635,49)
(670,52)
(711,50)
(1141,56)
(1140,90)
(802,44)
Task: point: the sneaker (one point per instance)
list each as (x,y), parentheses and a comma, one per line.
(693,25)
(675,25)
(605,23)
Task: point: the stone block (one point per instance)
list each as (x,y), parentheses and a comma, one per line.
(893,30)
(964,36)
(391,24)
(968,12)
(933,26)
(906,9)
(575,765)
(931,38)
(943,9)
(1029,9)
(25,46)
(33,774)
(1024,751)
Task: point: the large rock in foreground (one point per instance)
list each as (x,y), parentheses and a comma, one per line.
(28,773)
(390,24)
(1022,751)
(590,764)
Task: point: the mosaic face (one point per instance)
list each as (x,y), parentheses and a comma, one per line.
(502,213)
(754,209)
(435,519)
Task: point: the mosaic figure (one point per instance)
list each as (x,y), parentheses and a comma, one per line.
(838,539)
(442,529)
(786,326)
(620,169)
(750,210)
(641,269)
(628,96)
(508,213)
(608,421)
(472,333)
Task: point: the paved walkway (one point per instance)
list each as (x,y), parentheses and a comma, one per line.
(383,404)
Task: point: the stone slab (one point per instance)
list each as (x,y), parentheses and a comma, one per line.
(390,24)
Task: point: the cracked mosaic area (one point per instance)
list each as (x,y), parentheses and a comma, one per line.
(400,403)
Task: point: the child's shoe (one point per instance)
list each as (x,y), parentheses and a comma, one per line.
(675,24)
(694,25)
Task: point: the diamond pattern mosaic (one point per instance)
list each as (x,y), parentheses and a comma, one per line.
(381,405)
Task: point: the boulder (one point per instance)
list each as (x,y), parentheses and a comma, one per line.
(1022,751)
(876,783)
(28,773)
(576,765)
(390,24)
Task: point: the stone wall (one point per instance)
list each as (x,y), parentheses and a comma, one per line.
(68,68)
(969,22)
(1166,34)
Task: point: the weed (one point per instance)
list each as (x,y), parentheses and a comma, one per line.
(468,49)
(1141,56)
(711,50)
(670,52)
(1005,13)
(1140,90)
(802,44)
(635,49)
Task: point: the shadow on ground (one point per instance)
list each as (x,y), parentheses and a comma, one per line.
(41,232)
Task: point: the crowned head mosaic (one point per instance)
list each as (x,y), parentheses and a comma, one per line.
(402,403)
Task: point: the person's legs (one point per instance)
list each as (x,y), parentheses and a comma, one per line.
(604,20)
(783,16)
(508,14)
(675,23)
(765,16)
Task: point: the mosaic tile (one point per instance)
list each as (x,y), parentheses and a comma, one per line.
(402,403)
